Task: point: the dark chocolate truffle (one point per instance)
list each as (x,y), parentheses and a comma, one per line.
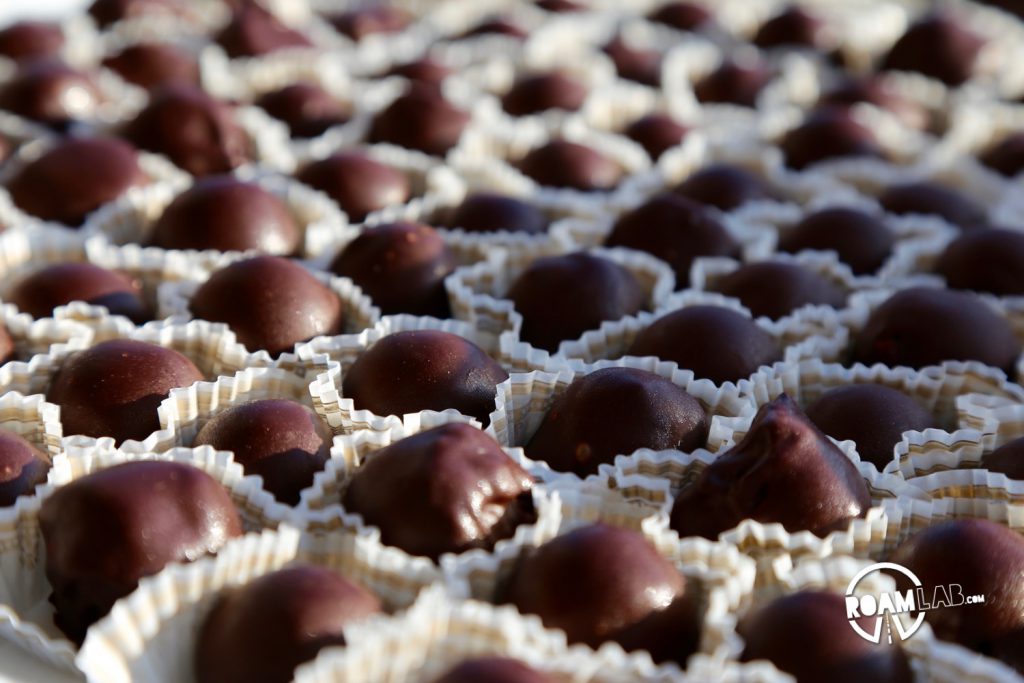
(370,20)
(51,92)
(615,411)
(308,109)
(932,199)
(938,46)
(861,240)
(674,229)
(22,467)
(492,212)
(536,93)
(406,372)
(107,12)
(46,288)
(7,346)
(785,470)
(985,261)
(151,65)
(254,31)
(561,297)
(724,186)
(26,40)
(656,133)
(444,490)
(262,630)
(775,289)
(496,26)
(421,119)
(227,214)
(401,267)
(816,642)
(1005,156)
(925,326)
(634,63)
(565,164)
(426,70)
(876,91)
(716,343)
(1007,459)
(827,133)
(194,130)
(74,178)
(270,303)
(872,416)
(560,6)
(493,670)
(733,83)
(357,182)
(109,529)
(685,16)
(793,27)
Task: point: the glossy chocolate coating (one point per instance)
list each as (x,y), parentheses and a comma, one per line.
(194,130)
(107,12)
(1007,459)
(930,198)
(270,303)
(565,164)
(875,91)
(985,261)
(807,635)
(925,326)
(561,297)
(828,133)
(635,63)
(793,27)
(406,372)
(860,239)
(733,83)
(496,26)
(715,343)
(724,186)
(444,490)
(872,416)
(493,212)
(372,19)
(282,441)
(22,467)
(493,670)
(785,470)
(74,178)
(308,109)
(262,630)
(426,70)
(227,214)
(50,92)
(1005,156)
(401,267)
(152,65)
(939,46)
(615,411)
(656,133)
(357,182)
(674,229)
(253,31)
(46,288)
(421,119)
(536,93)
(26,40)
(105,531)
(775,289)
(685,16)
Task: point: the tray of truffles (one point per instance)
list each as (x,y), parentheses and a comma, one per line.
(525,341)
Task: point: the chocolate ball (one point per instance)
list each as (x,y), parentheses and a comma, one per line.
(938,46)
(685,16)
(152,65)
(401,267)
(194,130)
(445,490)
(785,470)
(107,12)
(27,40)
(372,19)
(635,63)
(861,240)
(560,6)
(932,199)
(22,467)
(426,70)
(357,182)
(50,92)
(493,670)
(75,177)
(674,229)
(715,343)
(922,326)
(264,629)
(496,26)
(406,372)
(109,529)
(308,109)
(733,83)
(724,186)
(818,643)
(1008,459)
(7,346)
(872,416)
(46,288)
(421,119)
(270,303)
(774,289)
(493,212)
(656,133)
(536,93)
(1005,156)
(227,214)
(253,31)
(989,261)
(875,91)
(561,297)
(828,133)
(616,411)
(793,27)
(565,164)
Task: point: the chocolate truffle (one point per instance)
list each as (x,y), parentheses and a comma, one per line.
(715,343)
(817,642)
(733,83)
(685,16)
(493,670)
(227,214)
(775,289)
(401,267)
(861,240)
(7,346)
(26,40)
(426,70)
(270,303)
(406,372)
(536,93)
(74,178)
(874,90)
(616,411)
(656,133)
(872,416)
(107,12)
(938,46)
(46,288)
(931,199)
(565,164)
(560,6)
(357,182)
(115,387)
(151,65)
(421,119)
(194,130)
(262,630)
(308,109)
(373,19)
(599,583)
(785,470)
(444,490)
(924,326)
(985,261)
(793,27)
(561,297)
(1005,156)
(674,229)
(22,467)
(634,63)
(724,186)
(492,212)
(109,529)
(254,31)
(51,92)
(1007,459)
(496,26)
(827,133)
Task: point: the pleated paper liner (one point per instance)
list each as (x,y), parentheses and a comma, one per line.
(38,422)
(975,126)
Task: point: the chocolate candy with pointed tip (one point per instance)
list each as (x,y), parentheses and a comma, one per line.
(932,199)
(426,70)
(22,467)
(7,346)
(308,109)
(27,40)
(989,261)
(1008,459)
(357,182)
(58,284)
(939,46)
(570,165)
(107,12)
(536,93)
(152,65)
(421,119)
(876,91)
(733,83)
(493,212)
(860,239)
(775,289)
(253,31)
(685,16)
(373,19)
(724,186)
(51,92)
(561,6)
(793,27)
(496,26)
(828,133)
(634,63)
(656,133)
(1005,156)
(493,670)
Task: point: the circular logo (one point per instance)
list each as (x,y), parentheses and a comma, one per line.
(893,604)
